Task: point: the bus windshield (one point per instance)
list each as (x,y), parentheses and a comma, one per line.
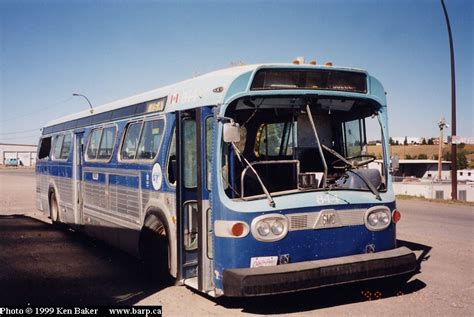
(293,144)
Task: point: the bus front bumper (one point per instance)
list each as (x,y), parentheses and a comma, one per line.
(313,274)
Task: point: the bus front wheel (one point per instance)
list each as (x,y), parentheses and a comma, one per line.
(156,252)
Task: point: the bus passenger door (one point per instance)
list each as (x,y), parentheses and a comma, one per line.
(186,148)
(77,176)
(193,196)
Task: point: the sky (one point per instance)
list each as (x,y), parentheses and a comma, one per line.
(108,50)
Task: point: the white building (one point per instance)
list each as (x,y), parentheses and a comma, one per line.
(466,175)
(410,140)
(434,190)
(24,153)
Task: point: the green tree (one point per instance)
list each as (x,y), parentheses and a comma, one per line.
(405,142)
(422,156)
(430,141)
(408,157)
(423,141)
(390,140)
(461,159)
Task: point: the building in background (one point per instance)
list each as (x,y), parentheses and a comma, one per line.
(17,154)
(410,140)
(420,178)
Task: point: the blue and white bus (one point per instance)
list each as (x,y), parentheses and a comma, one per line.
(247,181)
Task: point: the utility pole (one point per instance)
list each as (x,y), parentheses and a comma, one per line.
(441,124)
(454,168)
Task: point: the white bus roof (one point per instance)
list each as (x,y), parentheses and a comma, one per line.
(190,93)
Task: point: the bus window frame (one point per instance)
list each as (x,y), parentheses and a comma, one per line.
(110,125)
(53,157)
(70,147)
(209,163)
(124,134)
(48,157)
(168,156)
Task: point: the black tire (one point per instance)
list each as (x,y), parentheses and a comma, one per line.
(160,274)
(54,209)
(156,253)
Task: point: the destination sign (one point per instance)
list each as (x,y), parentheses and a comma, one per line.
(319,79)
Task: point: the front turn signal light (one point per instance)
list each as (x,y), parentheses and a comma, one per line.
(396,216)
(238,229)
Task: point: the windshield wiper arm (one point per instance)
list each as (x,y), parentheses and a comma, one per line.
(323,159)
(271,202)
(339,156)
(368,183)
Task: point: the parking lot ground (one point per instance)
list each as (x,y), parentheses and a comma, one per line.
(43,265)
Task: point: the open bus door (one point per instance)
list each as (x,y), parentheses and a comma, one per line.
(192,128)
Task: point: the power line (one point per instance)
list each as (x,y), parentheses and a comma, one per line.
(20,132)
(21,137)
(54,105)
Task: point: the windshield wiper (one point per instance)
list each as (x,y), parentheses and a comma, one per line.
(368,183)
(271,202)
(352,165)
(339,156)
(323,159)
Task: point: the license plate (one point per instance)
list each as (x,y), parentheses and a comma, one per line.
(263,261)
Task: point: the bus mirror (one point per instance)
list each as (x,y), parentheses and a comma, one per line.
(395,164)
(231,132)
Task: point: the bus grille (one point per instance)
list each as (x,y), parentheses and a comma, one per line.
(298,222)
(310,220)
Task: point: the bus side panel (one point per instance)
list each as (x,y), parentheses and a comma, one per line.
(62,171)
(42,181)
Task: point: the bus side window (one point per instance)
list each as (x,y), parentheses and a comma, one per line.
(44,148)
(66,148)
(150,139)
(130,142)
(106,144)
(58,142)
(93,145)
(172,167)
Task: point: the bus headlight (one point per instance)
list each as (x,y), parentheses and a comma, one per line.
(268,228)
(263,228)
(277,227)
(377,218)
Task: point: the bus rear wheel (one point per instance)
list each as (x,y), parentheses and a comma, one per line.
(54,210)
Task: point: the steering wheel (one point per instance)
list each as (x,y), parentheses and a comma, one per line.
(352,161)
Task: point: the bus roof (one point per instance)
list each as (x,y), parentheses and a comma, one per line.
(207,89)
